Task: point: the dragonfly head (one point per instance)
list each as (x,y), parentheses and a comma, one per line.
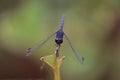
(58,41)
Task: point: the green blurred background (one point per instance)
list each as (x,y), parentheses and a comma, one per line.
(93,26)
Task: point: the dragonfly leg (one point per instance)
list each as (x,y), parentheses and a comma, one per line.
(57,50)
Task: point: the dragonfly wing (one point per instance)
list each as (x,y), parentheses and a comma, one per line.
(30,51)
(78,56)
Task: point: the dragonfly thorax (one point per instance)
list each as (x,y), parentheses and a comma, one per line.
(59,37)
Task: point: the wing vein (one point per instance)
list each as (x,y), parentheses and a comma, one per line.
(30,51)
(76,53)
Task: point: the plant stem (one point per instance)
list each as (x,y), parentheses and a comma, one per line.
(57,69)
(54,62)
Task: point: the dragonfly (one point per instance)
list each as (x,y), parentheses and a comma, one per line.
(58,40)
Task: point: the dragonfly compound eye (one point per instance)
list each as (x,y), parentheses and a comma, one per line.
(58,41)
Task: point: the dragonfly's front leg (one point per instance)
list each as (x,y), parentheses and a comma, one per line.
(57,50)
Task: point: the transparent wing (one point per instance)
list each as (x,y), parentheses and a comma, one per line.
(30,51)
(77,54)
